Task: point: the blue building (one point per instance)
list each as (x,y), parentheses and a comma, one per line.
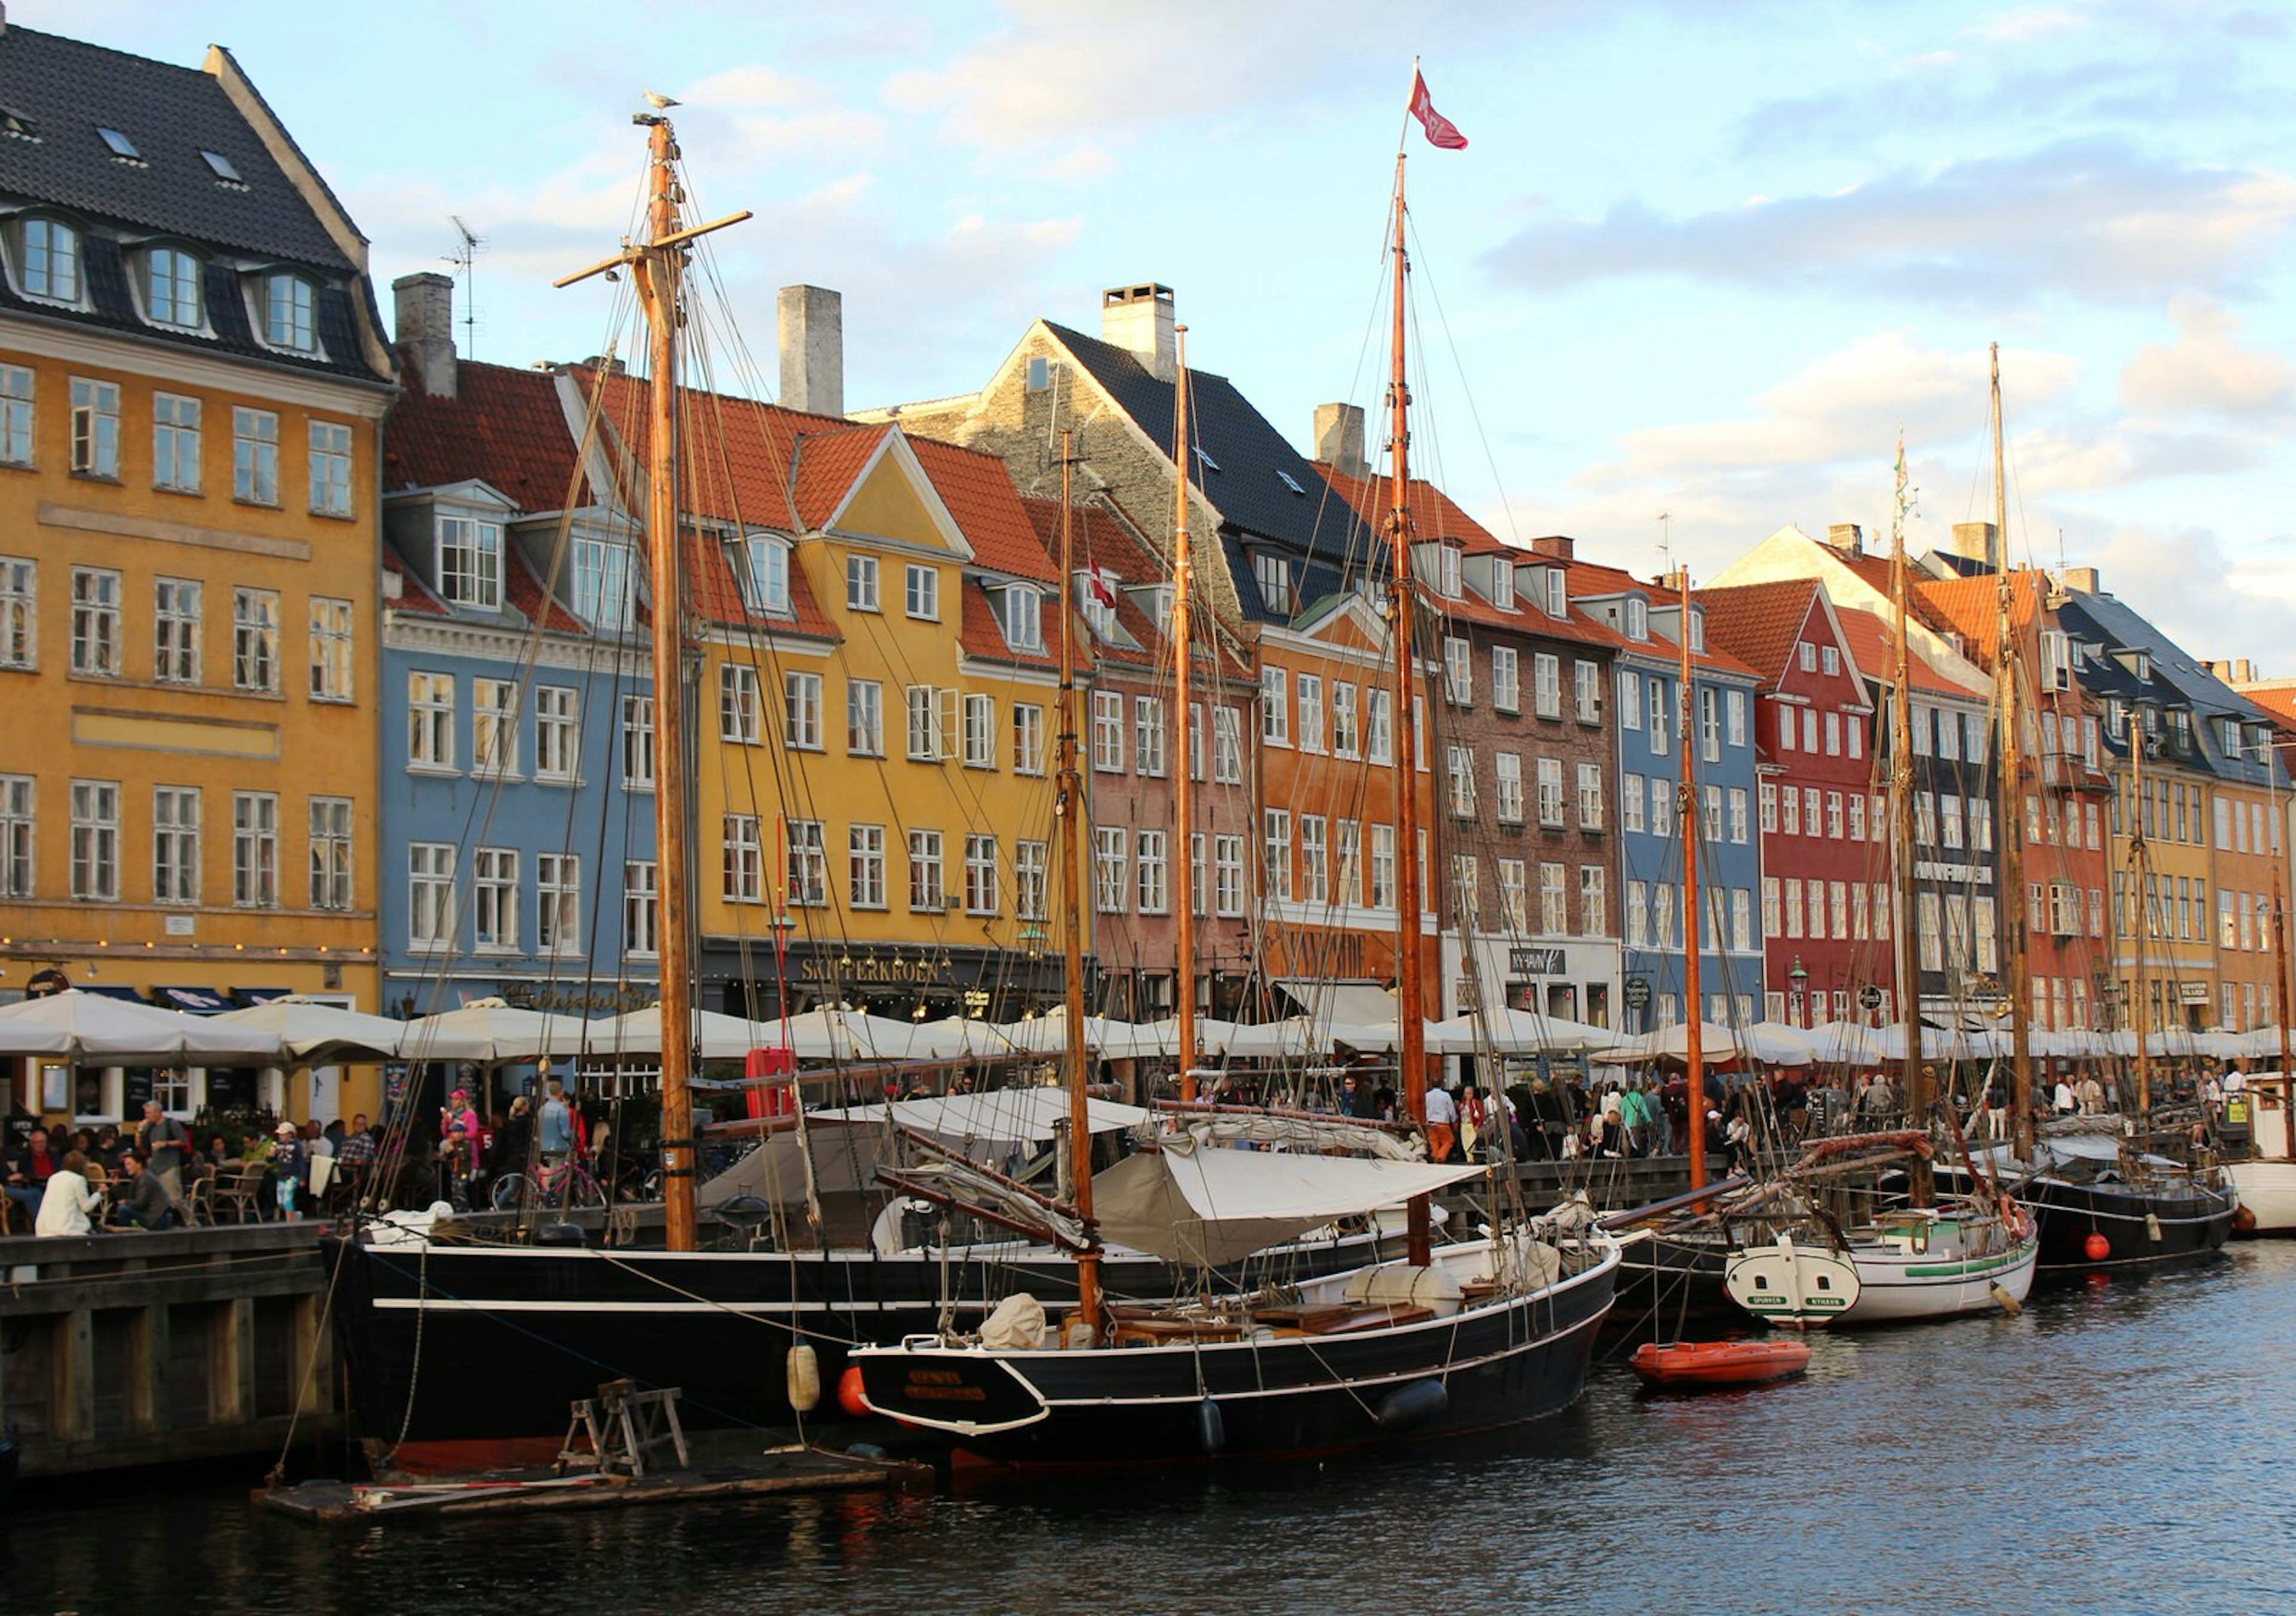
(1651,731)
(517,764)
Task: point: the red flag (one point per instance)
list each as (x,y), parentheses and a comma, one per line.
(1440,130)
(1102,582)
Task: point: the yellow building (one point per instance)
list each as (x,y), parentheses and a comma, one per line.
(190,383)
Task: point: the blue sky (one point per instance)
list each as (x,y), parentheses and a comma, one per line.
(1701,258)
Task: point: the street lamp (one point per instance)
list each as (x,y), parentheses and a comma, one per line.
(1799,978)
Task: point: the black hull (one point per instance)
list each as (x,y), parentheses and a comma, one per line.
(1670,1280)
(11,1453)
(2193,1222)
(1267,1400)
(471,1355)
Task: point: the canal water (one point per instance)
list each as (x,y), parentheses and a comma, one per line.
(2125,1446)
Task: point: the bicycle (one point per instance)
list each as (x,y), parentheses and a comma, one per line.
(568,1185)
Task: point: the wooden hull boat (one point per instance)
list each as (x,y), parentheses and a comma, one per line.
(1907,1265)
(1691,1364)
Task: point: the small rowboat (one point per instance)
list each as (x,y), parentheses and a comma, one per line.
(1691,1364)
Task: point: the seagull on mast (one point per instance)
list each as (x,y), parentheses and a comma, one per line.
(660,103)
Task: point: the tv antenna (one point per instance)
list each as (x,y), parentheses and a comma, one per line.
(466,259)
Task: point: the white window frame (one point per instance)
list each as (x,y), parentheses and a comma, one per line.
(255,850)
(430,896)
(331,824)
(176,813)
(254,455)
(493,900)
(255,641)
(557,733)
(470,561)
(331,650)
(430,712)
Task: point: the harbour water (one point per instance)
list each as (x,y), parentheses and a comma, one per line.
(2127,1445)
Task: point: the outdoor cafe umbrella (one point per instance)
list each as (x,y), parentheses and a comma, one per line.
(312,1033)
(94,1029)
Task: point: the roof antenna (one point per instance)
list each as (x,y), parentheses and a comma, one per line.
(466,259)
(1666,543)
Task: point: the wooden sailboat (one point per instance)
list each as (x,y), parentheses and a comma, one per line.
(1472,1335)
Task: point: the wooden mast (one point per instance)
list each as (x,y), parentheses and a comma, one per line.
(1181,860)
(2011,811)
(1402,607)
(2140,876)
(1069,807)
(1687,822)
(1912,1077)
(658,265)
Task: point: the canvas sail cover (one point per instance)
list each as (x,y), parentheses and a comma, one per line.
(1208,1206)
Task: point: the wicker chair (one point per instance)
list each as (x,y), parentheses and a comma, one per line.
(240,1192)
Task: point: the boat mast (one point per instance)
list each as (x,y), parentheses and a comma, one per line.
(1402,626)
(2280,955)
(2011,797)
(1068,806)
(2140,876)
(1912,1077)
(1182,860)
(657,267)
(1686,820)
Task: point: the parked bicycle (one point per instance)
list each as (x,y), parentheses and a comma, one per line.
(567,1187)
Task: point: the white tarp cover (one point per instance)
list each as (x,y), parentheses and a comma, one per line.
(1505,1031)
(91,1028)
(1365,1003)
(319,1033)
(1208,1206)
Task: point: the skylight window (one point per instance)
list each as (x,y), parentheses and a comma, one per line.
(1209,464)
(222,167)
(1288,481)
(16,125)
(121,147)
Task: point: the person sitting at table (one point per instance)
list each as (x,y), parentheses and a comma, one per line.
(28,1172)
(143,1200)
(65,1206)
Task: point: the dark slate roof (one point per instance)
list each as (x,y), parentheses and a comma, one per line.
(1248,490)
(64,89)
(2177,680)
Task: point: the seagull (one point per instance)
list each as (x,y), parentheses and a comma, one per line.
(660,101)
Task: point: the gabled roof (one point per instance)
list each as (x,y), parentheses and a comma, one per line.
(1759,624)
(741,456)
(2177,678)
(1249,489)
(1100,538)
(1872,648)
(979,492)
(827,464)
(1591,581)
(1970,607)
(503,427)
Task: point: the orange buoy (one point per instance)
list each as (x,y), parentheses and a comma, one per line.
(848,1392)
(2096,1248)
(2243,1221)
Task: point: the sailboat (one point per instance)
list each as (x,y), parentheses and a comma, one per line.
(1471,1336)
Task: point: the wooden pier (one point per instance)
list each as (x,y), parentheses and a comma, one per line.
(131,1349)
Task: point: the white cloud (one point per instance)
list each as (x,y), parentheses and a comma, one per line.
(2205,371)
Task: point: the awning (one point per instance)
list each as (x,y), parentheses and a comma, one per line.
(251,996)
(198,1001)
(1355,1003)
(113,991)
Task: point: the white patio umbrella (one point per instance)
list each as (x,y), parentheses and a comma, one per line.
(1510,1031)
(1842,1042)
(92,1028)
(1673,1044)
(1776,1044)
(717,1037)
(505,1033)
(314,1034)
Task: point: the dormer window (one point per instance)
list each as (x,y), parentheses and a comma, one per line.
(602,583)
(1503,584)
(1558,593)
(1273,573)
(470,561)
(1096,594)
(48,259)
(1637,618)
(768,583)
(171,288)
(1021,614)
(290,313)
(1697,630)
(1446,571)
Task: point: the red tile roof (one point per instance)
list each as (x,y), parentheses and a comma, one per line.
(979,492)
(413,595)
(827,464)
(1592,579)
(503,427)
(1759,624)
(1433,513)
(980,637)
(1872,648)
(738,453)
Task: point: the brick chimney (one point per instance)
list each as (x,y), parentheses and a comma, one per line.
(1556,546)
(1975,541)
(1847,537)
(423,319)
(1139,318)
(2082,580)
(811,326)
(1340,439)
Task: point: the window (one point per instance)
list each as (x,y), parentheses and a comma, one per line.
(255,640)
(1466,891)
(1446,571)
(1107,732)
(1590,799)
(1734,707)
(641,909)
(1274,707)
(1593,919)
(494,726)
(737,703)
(1029,864)
(1637,618)
(603,596)
(331,649)
(175,845)
(861,583)
(744,870)
(1630,802)
(1710,725)
(1275,854)
(1379,726)
(1805,657)
(174,443)
(1858,816)
(1554,901)
(430,720)
(1227,876)
(470,561)
(1713,802)
(1347,738)
(1741,938)
(493,900)
(1661,807)
(1793,907)
(864,864)
(637,742)
(1510,788)
(1027,738)
(978,731)
(255,456)
(95,622)
(767,582)
(1550,791)
(1227,745)
(255,850)
(920,592)
(1382,866)
(925,736)
(1021,614)
(171,288)
(1347,851)
(1630,700)
(176,631)
(1790,803)
(51,260)
(1506,679)
(1514,896)
(1111,866)
(330,822)
(289,311)
(1273,573)
(1661,739)
(430,895)
(94,427)
(1547,683)
(1148,731)
(1586,681)
(1637,915)
(16,420)
(801,712)
(927,888)
(1152,866)
(806,866)
(1458,671)
(330,470)
(17,818)
(557,732)
(1462,762)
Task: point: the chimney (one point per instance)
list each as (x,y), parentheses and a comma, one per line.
(1557,545)
(423,318)
(2081,580)
(812,321)
(1340,439)
(1139,319)
(1974,541)
(1847,537)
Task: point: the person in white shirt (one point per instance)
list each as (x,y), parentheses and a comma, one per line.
(1442,1123)
(64,1208)
(2061,1101)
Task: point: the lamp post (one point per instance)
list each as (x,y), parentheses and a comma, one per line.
(1799,978)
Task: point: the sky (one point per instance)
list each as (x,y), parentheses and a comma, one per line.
(1701,263)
